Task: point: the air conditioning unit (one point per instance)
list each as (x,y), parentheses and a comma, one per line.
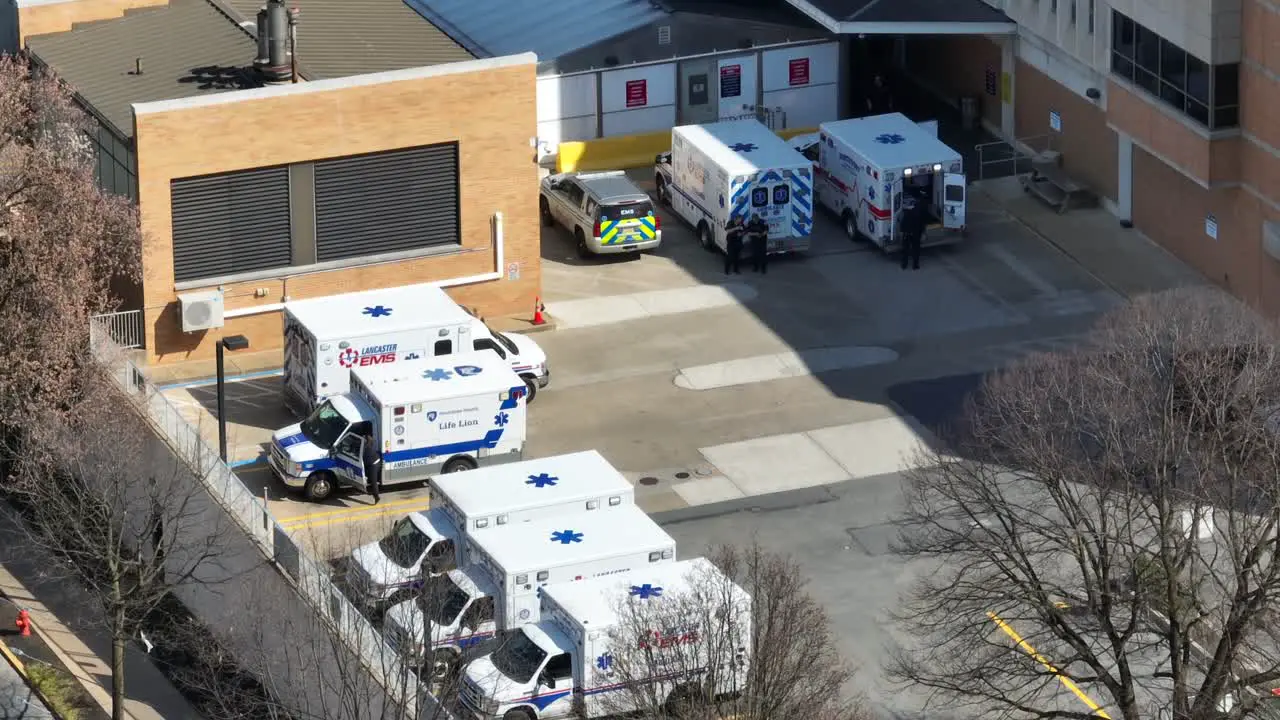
(201,311)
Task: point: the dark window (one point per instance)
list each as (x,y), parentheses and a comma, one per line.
(1092,11)
(575,194)
(387,202)
(781,194)
(955,193)
(488,344)
(444,347)
(1210,96)
(626,211)
(230,223)
(560,667)
(759,197)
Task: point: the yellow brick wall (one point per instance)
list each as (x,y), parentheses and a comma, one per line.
(489,112)
(46,19)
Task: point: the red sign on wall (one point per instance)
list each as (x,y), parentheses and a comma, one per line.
(798,71)
(637,93)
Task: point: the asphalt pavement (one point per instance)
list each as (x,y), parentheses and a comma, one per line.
(17,700)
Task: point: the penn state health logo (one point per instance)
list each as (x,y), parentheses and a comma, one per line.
(431,415)
(467,370)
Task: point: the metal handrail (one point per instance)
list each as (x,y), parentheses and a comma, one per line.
(1003,158)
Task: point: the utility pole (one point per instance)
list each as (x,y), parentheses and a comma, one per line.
(293,44)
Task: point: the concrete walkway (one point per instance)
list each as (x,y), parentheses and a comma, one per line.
(57,605)
(1124,260)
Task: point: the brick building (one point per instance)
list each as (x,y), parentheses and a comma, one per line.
(384,167)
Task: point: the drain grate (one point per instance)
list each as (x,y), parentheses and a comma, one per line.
(648,480)
(682,475)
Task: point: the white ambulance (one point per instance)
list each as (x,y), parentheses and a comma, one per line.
(325,338)
(446,415)
(508,570)
(866,166)
(737,168)
(476,501)
(563,666)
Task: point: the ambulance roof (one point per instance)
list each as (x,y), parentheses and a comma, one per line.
(361,314)
(595,602)
(891,141)
(743,147)
(582,537)
(530,484)
(448,376)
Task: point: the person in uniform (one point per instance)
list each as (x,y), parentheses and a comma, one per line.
(372,468)
(758,232)
(913,221)
(733,238)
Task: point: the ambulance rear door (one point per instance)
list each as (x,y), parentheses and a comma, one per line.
(953,200)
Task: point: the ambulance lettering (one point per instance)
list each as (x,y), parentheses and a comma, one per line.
(372,355)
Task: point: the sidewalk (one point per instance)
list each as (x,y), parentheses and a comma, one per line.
(1124,260)
(57,605)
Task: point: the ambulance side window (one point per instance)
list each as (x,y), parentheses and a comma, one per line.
(781,194)
(444,347)
(487,344)
(480,612)
(560,667)
(760,197)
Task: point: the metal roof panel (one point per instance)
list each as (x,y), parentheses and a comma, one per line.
(504,27)
(184,49)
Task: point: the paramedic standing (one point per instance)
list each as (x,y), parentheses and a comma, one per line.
(733,245)
(758,232)
(372,468)
(912,232)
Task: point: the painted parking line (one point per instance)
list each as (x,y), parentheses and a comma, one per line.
(779,366)
(1044,662)
(358,512)
(208,382)
(609,309)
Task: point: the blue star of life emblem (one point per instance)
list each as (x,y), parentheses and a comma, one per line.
(501,419)
(605,661)
(377,311)
(437,374)
(871,192)
(890,139)
(646,591)
(542,480)
(742,147)
(565,537)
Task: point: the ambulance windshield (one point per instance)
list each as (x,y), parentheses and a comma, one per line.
(507,342)
(405,543)
(324,426)
(519,657)
(443,602)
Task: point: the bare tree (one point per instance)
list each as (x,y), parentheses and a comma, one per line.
(108,502)
(695,642)
(1111,524)
(333,661)
(62,244)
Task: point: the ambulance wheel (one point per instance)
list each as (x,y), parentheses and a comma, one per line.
(663,196)
(462,463)
(704,237)
(850,225)
(545,211)
(319,486)
(581,241)
(444,664)
(517,714)
(531,388)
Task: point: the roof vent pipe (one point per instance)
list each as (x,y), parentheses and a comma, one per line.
(273,44)
(264,58)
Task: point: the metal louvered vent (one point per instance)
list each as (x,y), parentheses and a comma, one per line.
(387,202)
(664,34)
(230,223)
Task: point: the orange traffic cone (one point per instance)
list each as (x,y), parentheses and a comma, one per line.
(23,623)
(538,309)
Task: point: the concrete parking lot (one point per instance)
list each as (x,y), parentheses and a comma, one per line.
(705,388)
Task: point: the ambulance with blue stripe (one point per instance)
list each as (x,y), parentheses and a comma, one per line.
(674,627)
(737,169)
(449,414)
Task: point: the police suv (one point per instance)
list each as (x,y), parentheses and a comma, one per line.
(605,211)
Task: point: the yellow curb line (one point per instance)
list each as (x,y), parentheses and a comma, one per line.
(352,510)
(355,515)
(1044,662)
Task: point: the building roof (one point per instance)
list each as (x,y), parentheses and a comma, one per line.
(184,49)
(852,16)
(337,38)
(489,28)
(776,12)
